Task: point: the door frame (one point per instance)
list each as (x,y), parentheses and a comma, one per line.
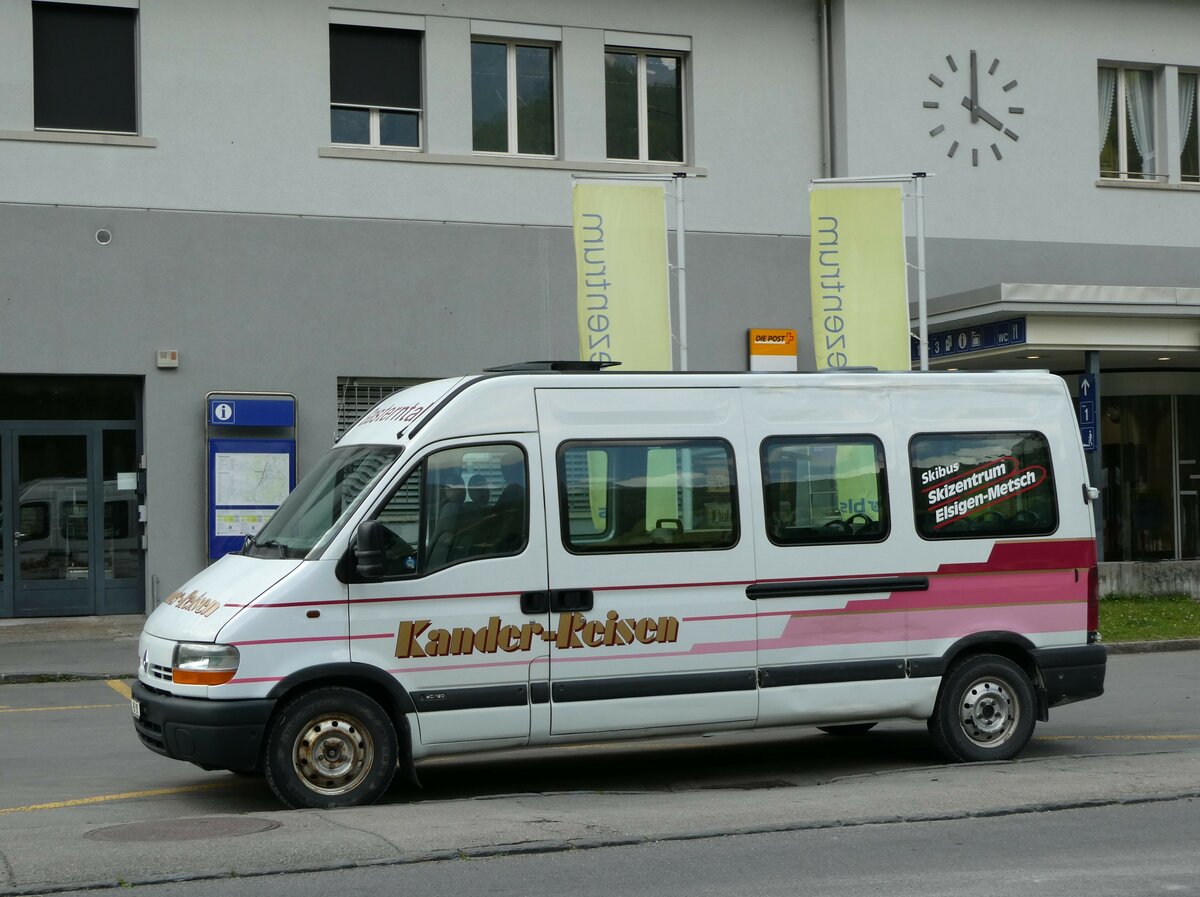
(97,587)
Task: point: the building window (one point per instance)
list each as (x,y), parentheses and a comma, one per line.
(1128,128)
(512,98)
(644,105)
(674,495)
(1189,127)
(84,76)
(824,489)
(375,86)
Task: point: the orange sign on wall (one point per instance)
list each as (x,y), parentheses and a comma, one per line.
(772,350)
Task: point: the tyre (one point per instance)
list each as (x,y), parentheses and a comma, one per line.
(848,730)
(985,710)
(332,747)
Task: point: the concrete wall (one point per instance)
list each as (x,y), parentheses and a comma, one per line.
(1157,578)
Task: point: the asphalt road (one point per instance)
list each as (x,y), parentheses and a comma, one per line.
(1116,851)
(81,801)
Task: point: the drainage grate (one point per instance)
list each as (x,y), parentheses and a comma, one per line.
(184,829)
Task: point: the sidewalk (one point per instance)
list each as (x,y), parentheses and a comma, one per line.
(45,649)
(65,648)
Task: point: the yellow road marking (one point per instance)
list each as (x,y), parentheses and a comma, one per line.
(1116,737)
(127,795)
(119,687)
(67,707)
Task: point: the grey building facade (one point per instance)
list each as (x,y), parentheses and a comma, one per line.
(219,182)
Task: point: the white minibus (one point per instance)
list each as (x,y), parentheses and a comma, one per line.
(551,554)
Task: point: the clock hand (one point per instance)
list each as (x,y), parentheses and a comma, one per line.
(974,89)
(976,109)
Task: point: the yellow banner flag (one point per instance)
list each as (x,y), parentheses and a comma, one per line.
(621,272)
(858,278)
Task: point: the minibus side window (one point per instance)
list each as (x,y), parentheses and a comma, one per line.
(982,485)
(819,490)
(459,504)
(639,495)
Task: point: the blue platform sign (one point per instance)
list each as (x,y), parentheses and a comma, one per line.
(979,338)
(1087,411)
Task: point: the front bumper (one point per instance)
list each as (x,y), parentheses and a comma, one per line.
(211,734)
(1071,674)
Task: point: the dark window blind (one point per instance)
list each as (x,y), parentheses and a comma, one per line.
(375,66)
(83,67)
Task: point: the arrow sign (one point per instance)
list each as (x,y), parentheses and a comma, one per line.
(1087,411)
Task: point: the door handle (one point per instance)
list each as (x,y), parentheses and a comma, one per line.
(570,600)
(556,601)
(535,603)
(17,537)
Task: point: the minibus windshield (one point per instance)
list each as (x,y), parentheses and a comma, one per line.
(321,500)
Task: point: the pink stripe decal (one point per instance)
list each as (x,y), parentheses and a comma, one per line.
(312,638)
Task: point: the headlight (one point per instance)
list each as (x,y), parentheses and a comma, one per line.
(197,664)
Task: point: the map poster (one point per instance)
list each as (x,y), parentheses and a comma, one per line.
(252,479)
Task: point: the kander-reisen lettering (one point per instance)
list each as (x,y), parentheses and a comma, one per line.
(415,638)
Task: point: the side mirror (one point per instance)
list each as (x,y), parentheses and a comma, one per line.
(368,549)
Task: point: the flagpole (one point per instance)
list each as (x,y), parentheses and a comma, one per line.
(681,270)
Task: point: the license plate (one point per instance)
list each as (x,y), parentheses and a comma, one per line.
(136,707)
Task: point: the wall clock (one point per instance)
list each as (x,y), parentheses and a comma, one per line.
(978,123)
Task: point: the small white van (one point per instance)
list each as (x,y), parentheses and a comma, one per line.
(551,554)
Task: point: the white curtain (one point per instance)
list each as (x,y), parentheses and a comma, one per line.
(1107,88)
(1139,97)
(1187,103)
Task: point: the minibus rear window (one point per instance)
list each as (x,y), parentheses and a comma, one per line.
(982,485)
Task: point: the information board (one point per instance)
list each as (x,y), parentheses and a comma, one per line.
(248,479)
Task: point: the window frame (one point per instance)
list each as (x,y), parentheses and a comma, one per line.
(420,469)
(836,439)
(586,443)
(643,104)
(1121,114)
(1194,129)
(1051,481)
(511,44)
(133,13)
(375,112)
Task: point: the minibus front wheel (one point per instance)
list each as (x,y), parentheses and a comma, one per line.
(330,747)
(985,710)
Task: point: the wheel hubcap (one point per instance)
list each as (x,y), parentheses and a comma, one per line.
(989,712)
(333,754)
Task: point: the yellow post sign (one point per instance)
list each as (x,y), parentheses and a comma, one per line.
(772,350)
(621,268)
(859,278)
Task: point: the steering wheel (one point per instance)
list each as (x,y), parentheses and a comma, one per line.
(866,521)
(1028,517)
(992,517)
(837,526)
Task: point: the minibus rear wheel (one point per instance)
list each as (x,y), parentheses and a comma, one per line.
(985,710)
(330,747)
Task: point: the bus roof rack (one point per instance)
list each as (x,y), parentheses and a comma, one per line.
(560,365)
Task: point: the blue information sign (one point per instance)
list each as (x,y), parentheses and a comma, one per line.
(979,338)
(256,411)
(1087,411)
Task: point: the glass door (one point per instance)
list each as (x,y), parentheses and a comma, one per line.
(51,527)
